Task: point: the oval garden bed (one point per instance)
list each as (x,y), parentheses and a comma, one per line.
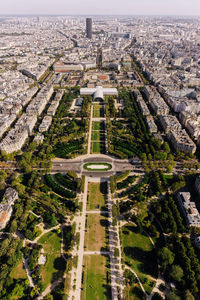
(97,167)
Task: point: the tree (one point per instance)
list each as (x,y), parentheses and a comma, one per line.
(3,176)
(172,296)
(166,256)
(20,188)
(166,147)
(13,226)
(34,292)
(18,291)
(188,295)
(143,157)
(4,270)
(176,273)
(4,246)
(169,168)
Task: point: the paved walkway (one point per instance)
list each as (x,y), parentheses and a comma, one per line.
(90,131)
(28,272)
(117,280)
(76,294)
(107,253)
(104,212)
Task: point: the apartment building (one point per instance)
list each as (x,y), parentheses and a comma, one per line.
(170,123)
(46,123)
(188,209)
(6,204)
(181,141)
(151,124)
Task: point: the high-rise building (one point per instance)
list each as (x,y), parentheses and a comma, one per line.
(89,28)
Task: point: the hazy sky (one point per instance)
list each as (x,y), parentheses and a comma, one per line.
(89,7)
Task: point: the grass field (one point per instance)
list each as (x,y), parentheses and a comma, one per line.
(97,106)
(98,125)
(55,265)
(98,113)
(97,195)
(98,147)
(18,272)
(98,136)
(95,236)
(134,292)
(139,254)
(96,279)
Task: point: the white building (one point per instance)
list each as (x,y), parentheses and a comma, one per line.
(99,92)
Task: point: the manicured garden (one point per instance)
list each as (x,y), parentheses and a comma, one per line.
(96,278)
(98,138)
(97,166)
(66,181)
(96,125)
(58,189)
(64,149)
(98,111)
(98,147)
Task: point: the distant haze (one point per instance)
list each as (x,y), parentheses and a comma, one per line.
(102,7)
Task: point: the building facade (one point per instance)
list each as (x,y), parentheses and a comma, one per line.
(89,28)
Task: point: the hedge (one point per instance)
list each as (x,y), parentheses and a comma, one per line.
(125,183)
(57,188)
(121,176)
(69,184)
(66,148)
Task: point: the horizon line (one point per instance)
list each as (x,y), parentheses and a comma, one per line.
(109,15)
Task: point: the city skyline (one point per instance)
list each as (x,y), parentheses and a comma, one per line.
(89,7)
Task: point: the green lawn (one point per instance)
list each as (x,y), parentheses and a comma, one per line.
(97,106)
(98,125)
(55,265)
(98,113)
(97,195)
(95,236)
(96,278)
(95,135)
(98,136)
(18,272)
(98,147)
(139,254)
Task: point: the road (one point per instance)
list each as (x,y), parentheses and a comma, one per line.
(65,165)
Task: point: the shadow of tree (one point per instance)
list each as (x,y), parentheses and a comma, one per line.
(60,265)
(104,223)
(147,259)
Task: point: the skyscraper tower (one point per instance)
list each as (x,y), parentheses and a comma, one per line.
(89,28)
